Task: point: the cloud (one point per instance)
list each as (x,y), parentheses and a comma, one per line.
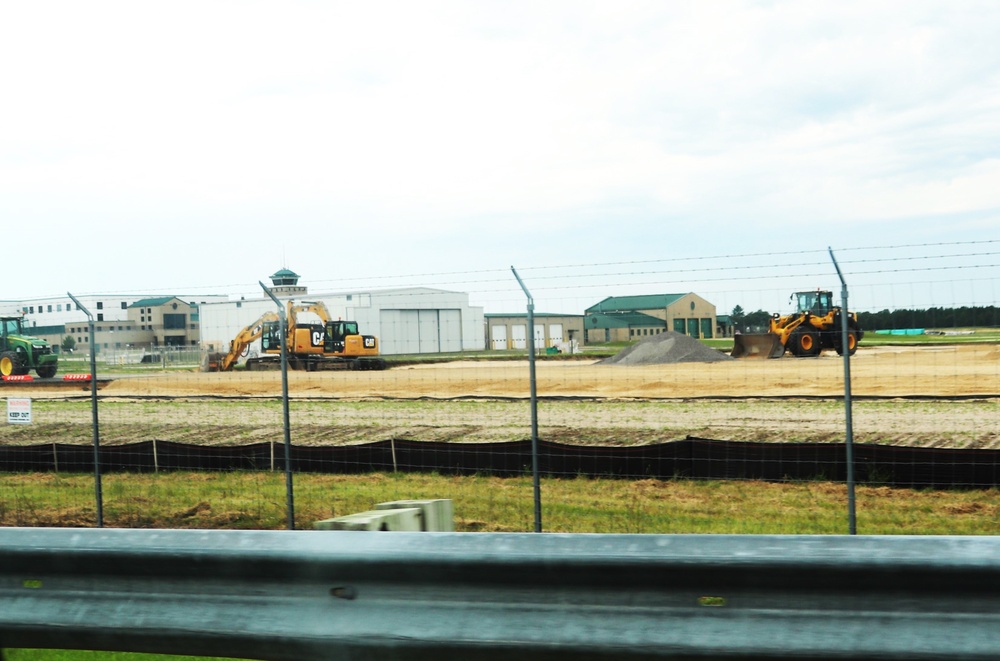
(429,120)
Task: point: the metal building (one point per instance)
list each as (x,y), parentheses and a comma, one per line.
(406,321)
(510,331)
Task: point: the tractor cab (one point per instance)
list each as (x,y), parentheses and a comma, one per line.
(9,326)
(818,303)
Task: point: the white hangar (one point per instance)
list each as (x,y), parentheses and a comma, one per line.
(405,321)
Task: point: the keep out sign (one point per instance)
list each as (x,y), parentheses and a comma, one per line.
(18,411)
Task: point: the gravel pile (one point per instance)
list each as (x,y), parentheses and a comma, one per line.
(668,347)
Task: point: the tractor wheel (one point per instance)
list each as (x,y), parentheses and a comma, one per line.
(7,359)
(46,371)
(12,363)
(806,343)
(852,343)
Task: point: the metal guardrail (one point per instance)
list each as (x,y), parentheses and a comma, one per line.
(349,595)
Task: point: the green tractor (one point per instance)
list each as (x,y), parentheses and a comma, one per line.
(20,353)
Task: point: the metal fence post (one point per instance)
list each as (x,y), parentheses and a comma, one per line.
(849,422)
(534,402)
(283,330)
(98,495)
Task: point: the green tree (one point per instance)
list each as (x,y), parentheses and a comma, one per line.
(737,316)
(757,322)
(68,344)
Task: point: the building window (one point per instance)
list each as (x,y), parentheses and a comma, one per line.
(50,308)
(100,305)
(32,308)
(174,321)
(124,305)
(100,317)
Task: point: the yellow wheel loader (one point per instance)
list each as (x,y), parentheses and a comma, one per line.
(813,327)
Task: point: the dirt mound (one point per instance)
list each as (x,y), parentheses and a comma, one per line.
(669,347)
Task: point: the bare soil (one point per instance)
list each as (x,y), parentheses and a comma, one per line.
(942,396)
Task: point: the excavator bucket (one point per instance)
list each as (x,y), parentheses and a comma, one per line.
(211,362)
(757,345)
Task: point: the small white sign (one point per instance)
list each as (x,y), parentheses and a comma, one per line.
(18,411)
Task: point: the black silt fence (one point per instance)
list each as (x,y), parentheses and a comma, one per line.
(692,458)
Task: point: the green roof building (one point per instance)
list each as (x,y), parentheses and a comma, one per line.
(631,318)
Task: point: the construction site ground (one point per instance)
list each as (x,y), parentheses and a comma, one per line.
(929,396)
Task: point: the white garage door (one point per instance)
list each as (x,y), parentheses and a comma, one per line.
(519,336)
(498,338)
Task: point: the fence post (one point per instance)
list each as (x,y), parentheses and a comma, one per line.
(98,495)
(534,402)
(849,424)
(283,331)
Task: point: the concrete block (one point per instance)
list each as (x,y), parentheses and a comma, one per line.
(438,514)
(387,520)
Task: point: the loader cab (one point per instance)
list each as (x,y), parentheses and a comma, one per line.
(818,303)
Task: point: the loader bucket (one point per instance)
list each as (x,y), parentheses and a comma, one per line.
(757,345)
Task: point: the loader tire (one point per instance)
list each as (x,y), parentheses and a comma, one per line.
(852,343)
(47,371)
(805,343)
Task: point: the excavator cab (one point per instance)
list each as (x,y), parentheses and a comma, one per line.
(270,339)
(336,334)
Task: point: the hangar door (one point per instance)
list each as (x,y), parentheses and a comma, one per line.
(420,331)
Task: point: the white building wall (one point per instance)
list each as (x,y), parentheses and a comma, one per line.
(61,310)
(414,320)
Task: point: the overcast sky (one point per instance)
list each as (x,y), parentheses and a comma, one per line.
(174,147)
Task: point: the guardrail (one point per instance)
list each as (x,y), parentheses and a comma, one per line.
(286,595)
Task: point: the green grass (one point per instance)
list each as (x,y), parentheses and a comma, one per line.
(256,500)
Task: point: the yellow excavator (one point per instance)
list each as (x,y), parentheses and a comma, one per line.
(327,345)
(813,327)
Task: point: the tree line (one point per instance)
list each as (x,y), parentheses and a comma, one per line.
(960,317)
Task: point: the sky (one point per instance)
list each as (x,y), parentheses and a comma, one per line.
(198,147)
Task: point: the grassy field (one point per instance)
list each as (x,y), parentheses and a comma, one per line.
(256,500)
